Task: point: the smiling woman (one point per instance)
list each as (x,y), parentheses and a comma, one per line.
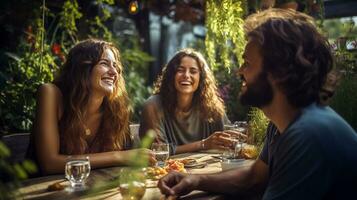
(185,110)
(84,111)
(105,73)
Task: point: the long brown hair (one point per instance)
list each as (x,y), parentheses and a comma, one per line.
(74,82)
(206,98)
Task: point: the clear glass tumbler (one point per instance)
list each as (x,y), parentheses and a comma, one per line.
(161,152)
(77,170)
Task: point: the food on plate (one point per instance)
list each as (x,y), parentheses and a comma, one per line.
(174,165)
(188,161)
(248,152)
(55,187)
(155,172)
(170,165)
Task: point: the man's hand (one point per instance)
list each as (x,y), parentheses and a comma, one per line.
(178,184)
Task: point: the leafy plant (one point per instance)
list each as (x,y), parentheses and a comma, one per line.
(225,39)
(344,100)
(31,67)
(11,174)
(135,64)
(224,46)
(258,123)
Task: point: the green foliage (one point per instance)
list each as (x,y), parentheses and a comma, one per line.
(257,127)
(26,71)
(344,100)
(135,64)
(11,174)
(224,46)
(342,32)
(68,17)
(230,86)
(225,39)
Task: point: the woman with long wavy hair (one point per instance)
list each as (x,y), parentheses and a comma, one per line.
(85,110)
(186,110)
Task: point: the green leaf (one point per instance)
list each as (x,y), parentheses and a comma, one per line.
(4,151)
(29,166)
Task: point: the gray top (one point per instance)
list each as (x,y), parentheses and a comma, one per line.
(187,128)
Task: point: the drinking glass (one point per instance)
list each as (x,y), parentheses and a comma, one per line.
(239,126)
(77,171)
(229,153)
(242,127)
(132,183)
(161,152)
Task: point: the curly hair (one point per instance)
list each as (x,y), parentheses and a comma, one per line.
(74,82)
(205,98)
(294,52)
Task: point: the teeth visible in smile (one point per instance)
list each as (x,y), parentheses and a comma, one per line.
(108,80)
(244,83)
(185,83)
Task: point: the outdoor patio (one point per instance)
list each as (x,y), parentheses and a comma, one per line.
(36,37)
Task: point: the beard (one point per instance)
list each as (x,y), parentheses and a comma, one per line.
(259,93)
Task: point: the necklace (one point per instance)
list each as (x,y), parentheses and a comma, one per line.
(87,131)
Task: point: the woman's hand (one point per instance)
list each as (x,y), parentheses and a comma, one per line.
(236,135)
(218,140)
(223,139)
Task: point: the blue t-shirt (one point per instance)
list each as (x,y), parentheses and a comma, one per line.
(314,158)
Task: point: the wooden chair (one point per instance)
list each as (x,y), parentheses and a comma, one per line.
(17,144)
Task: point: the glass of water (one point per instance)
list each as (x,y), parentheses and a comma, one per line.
(242,127)
(239,126)
(77,171)
(161,152)
(229,153)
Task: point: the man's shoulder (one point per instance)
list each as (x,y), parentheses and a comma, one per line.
(320,127)
(317,118)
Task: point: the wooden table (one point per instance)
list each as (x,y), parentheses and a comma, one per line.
(37,188)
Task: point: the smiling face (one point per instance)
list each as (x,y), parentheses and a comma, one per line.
(256,89)
(187,76)
(105,73)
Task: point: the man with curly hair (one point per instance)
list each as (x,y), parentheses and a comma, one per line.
(309,151)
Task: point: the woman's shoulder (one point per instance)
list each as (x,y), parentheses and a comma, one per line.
(50,89)
(153,101)
(50,95)
(153,105)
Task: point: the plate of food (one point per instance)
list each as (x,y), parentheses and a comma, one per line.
(170,165)
(193,163)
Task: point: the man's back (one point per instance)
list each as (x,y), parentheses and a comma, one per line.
(338,142)
(316,157)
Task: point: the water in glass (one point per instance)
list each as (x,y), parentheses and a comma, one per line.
(161,152)
(77,171)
